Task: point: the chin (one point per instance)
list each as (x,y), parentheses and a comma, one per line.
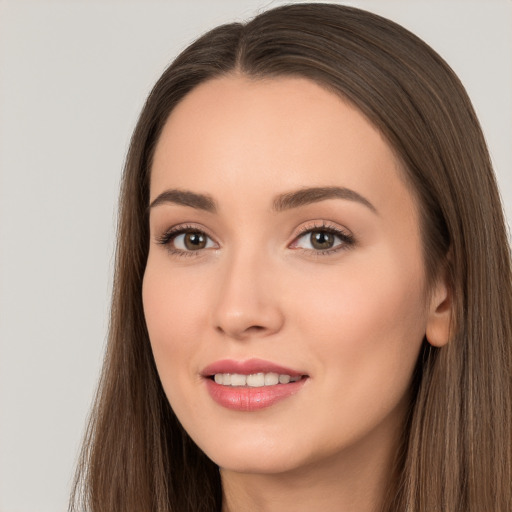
(254,462)
(257,455)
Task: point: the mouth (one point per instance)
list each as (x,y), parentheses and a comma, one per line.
(254,380)
(251,385)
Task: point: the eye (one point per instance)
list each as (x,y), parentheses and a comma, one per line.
(323,240)
(181,240)
(192,241)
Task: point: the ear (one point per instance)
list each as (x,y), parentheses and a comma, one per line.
(440,313)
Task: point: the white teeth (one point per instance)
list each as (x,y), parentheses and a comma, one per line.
(237,379)
(254,380)
(271,379)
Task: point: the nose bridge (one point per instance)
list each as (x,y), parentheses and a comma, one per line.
(247,304)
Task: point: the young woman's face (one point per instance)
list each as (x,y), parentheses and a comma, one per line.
(285,246)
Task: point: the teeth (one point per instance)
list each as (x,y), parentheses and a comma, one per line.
(237,380)
(254,380)
(271,379)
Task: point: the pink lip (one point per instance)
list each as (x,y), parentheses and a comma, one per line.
(247,398)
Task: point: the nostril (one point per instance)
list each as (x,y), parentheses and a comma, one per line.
(251,320)
(242,333)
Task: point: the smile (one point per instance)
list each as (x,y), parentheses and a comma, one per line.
(251,385)
(254,380)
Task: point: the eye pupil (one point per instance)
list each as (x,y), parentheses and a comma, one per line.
(322,239)
(194,241)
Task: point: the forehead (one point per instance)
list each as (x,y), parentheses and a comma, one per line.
(271,135)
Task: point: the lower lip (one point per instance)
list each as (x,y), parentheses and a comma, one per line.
(251,399)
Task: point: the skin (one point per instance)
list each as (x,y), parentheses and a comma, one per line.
(352,318)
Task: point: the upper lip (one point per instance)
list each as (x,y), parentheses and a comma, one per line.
(248,367)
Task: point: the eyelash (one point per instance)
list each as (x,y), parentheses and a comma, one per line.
(168,236)
(347,240)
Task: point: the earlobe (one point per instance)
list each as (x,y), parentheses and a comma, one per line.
(439,320)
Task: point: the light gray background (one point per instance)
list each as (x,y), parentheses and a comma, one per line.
(73,77)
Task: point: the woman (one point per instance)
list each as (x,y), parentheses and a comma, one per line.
(312,301)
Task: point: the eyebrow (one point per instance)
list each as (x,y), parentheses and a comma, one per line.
(186,198)
(281,203)
(307,196)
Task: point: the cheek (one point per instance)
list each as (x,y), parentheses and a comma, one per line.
(366,328)
(379,290)
(171,304)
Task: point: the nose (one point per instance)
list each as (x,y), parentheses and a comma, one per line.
(247,303)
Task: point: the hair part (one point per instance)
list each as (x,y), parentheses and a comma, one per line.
(456,451)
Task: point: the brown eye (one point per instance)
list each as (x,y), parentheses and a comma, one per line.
(187,241)
(195,240)
(322,240)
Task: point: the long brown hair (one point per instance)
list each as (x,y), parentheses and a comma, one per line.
(456,452)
